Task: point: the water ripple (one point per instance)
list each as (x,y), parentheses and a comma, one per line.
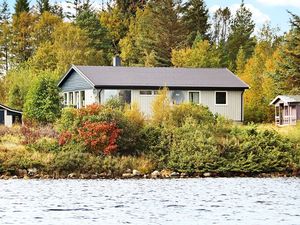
(182,201)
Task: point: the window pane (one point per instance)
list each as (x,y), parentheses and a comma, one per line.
(221,98)
(194,97)
(65,98)
(145,92)
(71,98)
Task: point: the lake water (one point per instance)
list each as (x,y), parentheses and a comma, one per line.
(183,201)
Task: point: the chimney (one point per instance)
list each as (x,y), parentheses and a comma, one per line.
(116,61)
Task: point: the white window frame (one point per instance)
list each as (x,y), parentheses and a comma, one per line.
(200,100)
(216,98)
(65,100)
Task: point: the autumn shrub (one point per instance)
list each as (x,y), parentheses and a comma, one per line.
(99,137)
(32,133)
(97,117)
(161,107)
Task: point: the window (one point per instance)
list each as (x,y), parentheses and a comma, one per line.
(155,92)
(71,99)
(145,92)
(65,99)
(221,97)
(82,100)
(194,97)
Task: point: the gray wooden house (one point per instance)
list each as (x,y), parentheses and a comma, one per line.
(287,109)
(219,89)
(9,116)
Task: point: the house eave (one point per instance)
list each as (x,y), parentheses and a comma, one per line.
(137,87)
(10,109)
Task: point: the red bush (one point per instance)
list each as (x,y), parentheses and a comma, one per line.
(90,110)
(64,138)
(99,137)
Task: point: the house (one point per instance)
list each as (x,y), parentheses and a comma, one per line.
(219,89)
(9,116)
(287,109)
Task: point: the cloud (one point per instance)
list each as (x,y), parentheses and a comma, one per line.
(293,3)
(258,16)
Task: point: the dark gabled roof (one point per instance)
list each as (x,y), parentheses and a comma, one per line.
(108,76)
(10,109)
(286,99)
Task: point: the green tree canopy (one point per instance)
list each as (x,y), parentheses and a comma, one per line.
(43,101)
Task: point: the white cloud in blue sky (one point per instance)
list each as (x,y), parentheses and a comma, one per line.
(274,11)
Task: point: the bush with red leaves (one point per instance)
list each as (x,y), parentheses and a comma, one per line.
(99,137)
(64,138)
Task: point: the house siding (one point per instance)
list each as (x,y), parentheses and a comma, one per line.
(75,82)
(232,110)
(298,112)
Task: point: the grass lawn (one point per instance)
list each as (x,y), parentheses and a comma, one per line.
(292,132)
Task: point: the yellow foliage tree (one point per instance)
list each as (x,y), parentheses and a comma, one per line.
(202,54)
(161,107)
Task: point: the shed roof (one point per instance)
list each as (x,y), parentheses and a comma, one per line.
(287,99)
(10,109)
(108,76)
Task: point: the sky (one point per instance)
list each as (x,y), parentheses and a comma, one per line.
(274,11)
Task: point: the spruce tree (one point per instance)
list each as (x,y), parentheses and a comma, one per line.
(88,21)
(43,6)
(240,36)
(195,17)
(290,53)
(21,6)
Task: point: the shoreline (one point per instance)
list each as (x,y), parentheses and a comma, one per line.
(126,176)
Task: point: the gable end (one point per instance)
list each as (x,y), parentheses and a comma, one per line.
(74,81)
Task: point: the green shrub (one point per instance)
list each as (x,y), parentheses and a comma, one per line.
(199,113)
(45,144)
(42,102)
(74,161)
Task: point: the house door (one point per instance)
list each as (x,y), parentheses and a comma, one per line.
(1,116)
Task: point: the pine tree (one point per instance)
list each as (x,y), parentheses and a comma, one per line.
(43,6)
(21,6)
(195,17)
(98,35)
(289,67)
(242,28)
(160,30)
(129,7)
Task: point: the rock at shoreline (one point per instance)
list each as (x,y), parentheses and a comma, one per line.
(175,174)
(184,175)
(155,174)
(84,176)
(136,173)
(128,171)
(32,172)
(22,173)
(207,174)
(72,176)
(127,175)
(165,173)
